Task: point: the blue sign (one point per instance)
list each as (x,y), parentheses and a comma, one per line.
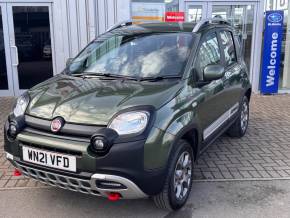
(272,52)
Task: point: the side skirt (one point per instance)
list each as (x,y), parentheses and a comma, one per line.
(205,144)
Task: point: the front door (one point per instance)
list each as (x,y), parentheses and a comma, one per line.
(29,45)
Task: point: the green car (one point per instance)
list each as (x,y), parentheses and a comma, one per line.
(132,113)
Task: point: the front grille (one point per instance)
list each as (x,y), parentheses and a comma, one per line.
(82,131)
(58,136)
(65,182)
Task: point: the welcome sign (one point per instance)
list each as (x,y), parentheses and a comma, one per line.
(272,52)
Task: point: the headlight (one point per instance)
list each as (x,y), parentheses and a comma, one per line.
(21,105)
(130,122)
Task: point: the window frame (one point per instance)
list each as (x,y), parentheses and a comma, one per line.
(226,66)
(202,40)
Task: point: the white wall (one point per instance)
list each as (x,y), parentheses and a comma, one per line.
(77,22)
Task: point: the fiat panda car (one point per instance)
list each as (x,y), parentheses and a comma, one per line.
(132,113)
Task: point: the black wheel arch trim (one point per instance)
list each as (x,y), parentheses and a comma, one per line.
(196,148)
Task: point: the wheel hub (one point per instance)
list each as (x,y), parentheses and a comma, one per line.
(244,116)
(182,175)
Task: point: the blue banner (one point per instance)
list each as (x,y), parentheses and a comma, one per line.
(272,52)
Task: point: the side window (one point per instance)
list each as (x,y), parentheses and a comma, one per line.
(209,53)
(228,47)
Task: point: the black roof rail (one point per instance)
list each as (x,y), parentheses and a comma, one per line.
(208,21)
(120,24)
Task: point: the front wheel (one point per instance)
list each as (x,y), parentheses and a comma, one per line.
(179,179)
(240,126)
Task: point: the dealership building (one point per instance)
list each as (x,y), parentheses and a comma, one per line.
(38,36)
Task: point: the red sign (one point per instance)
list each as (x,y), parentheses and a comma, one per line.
(174,16)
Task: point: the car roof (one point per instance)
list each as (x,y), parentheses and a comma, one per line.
(169,27)
(135,28)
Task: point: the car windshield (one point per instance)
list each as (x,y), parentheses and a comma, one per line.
(140,56)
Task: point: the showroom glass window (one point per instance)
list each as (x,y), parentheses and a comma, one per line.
(152,10)
(3,70)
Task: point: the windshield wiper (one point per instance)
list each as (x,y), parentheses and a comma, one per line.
(106,75)
(158,78)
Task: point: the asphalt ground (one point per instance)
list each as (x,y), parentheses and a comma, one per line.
(208,199)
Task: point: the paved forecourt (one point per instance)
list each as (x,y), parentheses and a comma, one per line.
(263,153)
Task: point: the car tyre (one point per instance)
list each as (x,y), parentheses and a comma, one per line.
(179,178)
(240,126)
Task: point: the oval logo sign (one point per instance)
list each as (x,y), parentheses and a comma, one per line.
(56,124)
(275,18)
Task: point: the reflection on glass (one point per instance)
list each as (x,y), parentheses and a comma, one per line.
(229,48)
(128,55)
(209,54)
(32,36)
(194,13)
(3,70)
(242,18)
(144,11)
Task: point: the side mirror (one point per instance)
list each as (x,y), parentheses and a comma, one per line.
(68,61)
(213,72)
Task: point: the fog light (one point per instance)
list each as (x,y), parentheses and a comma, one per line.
(102,141)
(12,129)
(99,144)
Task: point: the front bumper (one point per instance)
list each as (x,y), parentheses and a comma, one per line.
(124,164)
(91,185)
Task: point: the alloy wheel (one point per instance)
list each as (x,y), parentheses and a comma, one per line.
(182,176)
(244,116)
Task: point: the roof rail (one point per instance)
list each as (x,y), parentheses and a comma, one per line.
(207,21)
(120,24)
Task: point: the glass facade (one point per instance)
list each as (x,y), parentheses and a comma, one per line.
(284,82)
(242,18)
(3,69)
(194,13)
(152,10)
(32,37)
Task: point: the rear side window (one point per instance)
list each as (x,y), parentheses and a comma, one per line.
(209,53)
(228,46)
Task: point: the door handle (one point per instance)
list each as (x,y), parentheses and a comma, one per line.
(16,56)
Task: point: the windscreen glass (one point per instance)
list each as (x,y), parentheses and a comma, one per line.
(143,55)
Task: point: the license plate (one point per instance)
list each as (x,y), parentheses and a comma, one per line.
(49,159)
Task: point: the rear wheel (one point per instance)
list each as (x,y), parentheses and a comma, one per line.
(179,179)
(240,126)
